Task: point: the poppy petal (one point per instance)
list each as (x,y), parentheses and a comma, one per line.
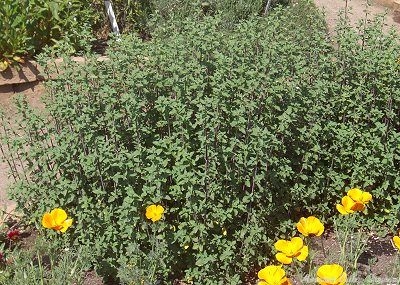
(282,258)
(59,216)
(47,221)
(303,253)
(65,225)
(396,241)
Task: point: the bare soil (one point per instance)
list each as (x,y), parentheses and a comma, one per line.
(378,260)
(359,10)
(33,91)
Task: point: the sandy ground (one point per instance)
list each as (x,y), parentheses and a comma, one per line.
(358,10)
(33,92)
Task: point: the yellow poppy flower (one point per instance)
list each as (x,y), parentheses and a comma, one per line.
(331,274)
(289,249)
(359,196)
(57,220)
(154,212)
(354,201)
(273,275)
(346,207)
(396,242)
(310,226)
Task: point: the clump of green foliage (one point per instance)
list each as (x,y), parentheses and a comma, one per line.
(231,11)
(230,131)
(29,26)
(145,16)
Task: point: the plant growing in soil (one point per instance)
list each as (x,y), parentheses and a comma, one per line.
(236,134)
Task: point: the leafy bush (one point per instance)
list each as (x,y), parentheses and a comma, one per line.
(29,26)
(235,134)
(145,16)
(231,11)
(13,39)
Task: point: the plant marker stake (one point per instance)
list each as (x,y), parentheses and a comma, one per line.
(111,16)
(267,6)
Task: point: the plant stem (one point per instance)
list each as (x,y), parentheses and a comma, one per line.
(323,247)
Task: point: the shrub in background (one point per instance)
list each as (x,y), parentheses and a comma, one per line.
(231,133)
(231,11)
(146,16)
(29,26)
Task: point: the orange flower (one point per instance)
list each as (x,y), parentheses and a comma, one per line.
(331,274)
(354,201)
(359,196)
(310,226)
(57,220)
(348,206)
(289,249)
(273,275)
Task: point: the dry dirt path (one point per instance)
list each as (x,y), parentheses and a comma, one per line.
(357,10)
(33,91)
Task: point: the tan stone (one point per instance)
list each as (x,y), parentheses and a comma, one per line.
(24,72)
(396,5)
(31,71)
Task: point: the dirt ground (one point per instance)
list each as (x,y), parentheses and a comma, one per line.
(33,91)
(358,10)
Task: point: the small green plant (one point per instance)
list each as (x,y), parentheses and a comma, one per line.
(44,264)
(351,233)
(28,257)
(353,240)
(14,37)
(30,26)
(139,267)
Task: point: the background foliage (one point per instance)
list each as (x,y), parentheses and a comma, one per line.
(235,133)
(29,26)
(69,26)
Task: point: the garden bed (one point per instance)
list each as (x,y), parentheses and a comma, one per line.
(198,155)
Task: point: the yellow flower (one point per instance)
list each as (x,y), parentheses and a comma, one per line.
(347,206)
(273,275)
(310,226)
(154,212)
(359,196)
(396,241)
(354,201)
(290,249)
(331,274)
(57,220)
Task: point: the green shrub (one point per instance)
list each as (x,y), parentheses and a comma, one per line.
(231,11)
(146,16)
(232,133)
(29,26)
